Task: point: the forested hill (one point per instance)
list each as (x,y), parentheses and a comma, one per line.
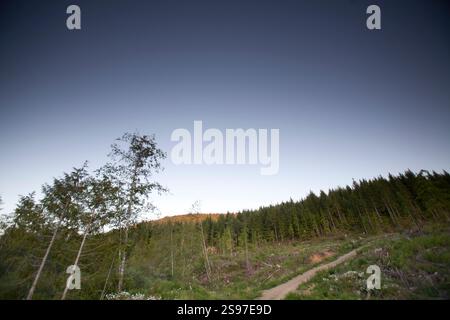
(192,252)
(368,206)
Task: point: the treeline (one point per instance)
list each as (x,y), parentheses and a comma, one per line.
(90,220)
(367,206)
(182,249)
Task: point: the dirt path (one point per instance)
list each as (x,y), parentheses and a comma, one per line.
(279,292)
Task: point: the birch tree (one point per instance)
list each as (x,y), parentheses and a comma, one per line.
(95,199)
(59,206)
(135,159)
(195,209)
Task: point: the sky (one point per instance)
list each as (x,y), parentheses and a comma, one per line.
(349,103)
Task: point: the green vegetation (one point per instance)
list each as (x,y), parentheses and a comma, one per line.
(232,277)
(91,220)
(413,266)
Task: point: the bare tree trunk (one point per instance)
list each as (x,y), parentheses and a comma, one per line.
(44,260)
(122,262)
(76,260)
(391,214)
(182,251)
(171,249)
(205,252)
(247,261)
(332,220)
(380,220)
(371,223)
(107,278)
(362,220)
(127,220)
(341,218)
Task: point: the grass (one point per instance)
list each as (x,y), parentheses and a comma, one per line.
(414,265)
(270,265)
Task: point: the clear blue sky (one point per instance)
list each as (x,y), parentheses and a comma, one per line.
(349,103)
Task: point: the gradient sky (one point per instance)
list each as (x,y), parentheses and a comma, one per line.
(349,102)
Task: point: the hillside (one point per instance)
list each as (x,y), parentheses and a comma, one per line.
(232,255)
(187,218)
(413,266)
